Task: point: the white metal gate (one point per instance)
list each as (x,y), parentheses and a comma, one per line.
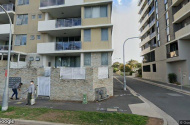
(43,86)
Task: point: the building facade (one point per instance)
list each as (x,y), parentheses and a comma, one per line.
(57,33)
(165,39)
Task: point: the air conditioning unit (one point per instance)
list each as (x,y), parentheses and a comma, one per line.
(101,94)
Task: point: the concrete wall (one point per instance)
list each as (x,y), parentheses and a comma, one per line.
(71,90)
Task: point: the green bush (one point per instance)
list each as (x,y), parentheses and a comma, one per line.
(172,77)
(131,72)
(115,70)
(127,68)
(140,72)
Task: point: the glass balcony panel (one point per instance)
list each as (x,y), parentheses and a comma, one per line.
(76,45)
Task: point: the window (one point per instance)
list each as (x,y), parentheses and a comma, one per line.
(38,37)
(104,58)
(168,38)
(20,40)
(22,19)
(154,67)
(32,37)
(39,16)
(33,17)
(87,35)
(87,59)
(146,68)
(96,12)
(104,34)
(23,2)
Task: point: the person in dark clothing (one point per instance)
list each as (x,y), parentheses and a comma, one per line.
(14,89)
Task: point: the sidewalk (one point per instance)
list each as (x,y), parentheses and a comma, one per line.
(119,102)
(170,86)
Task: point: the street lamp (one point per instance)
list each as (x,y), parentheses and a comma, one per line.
(5,94)
(125,86)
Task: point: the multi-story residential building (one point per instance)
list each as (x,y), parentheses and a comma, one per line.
(57,33)
(165,36)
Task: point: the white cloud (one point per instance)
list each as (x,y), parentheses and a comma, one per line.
(119,2)
(125,21)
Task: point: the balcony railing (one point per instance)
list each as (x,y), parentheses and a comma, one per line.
(46,3)
(153,46)
(68,45)
(7,7)
(152,35)
(149,2)
(153,21)
(68,22)
(173,54)
(4,47)
(151,11)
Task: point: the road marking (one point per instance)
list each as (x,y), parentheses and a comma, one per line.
(174,94)
(168,120)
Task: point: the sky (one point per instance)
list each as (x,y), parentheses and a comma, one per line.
(125,20)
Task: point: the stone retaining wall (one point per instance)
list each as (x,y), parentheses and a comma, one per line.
(71,90)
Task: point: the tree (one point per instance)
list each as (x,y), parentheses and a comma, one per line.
(116,65)
(127,68)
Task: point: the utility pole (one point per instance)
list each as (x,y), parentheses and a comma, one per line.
(125,85)
(5,94)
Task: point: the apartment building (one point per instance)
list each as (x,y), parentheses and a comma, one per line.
(59,33)
(165,39)
(56,33)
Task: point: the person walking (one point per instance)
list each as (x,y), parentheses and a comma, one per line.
(14,89)
(30,91)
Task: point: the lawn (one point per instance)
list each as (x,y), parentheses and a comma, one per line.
(73,117)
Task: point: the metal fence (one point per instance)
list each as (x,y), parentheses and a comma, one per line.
(72,73)
(46,3)
(68,22)
(68,45)
(4,47)
(7,7)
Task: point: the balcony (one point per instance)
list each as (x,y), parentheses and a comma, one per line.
(182,14)
(183,33)
(10,9)
(68,46)
(153,46)
(4,31)
(145,8)
(145,51)
(176,2)
(59,47)
(147,39)
(70,26)
(173,54)
(4,47)
(68,22)
(148,27)
(146,18)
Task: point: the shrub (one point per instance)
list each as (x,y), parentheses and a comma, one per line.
(172,77)
(115,70)
(132,72)
(127,68)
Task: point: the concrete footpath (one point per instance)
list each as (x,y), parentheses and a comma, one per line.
(123,101)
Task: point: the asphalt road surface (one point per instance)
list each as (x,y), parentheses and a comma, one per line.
(175,104)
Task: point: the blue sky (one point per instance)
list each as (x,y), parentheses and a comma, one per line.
(125,20)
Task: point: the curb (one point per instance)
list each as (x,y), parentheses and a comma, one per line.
(168,120)
(37,122)
(164,86)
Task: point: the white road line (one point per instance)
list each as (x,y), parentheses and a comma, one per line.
(168,120)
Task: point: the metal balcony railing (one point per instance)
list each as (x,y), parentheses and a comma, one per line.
(153,21)
(149,2)
(76,45)
(153,46)
(151,11)
(152,35)
(7,7)
(68,22)
(46,3)
(4,47)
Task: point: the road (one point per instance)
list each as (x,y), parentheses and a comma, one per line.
(174,104)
